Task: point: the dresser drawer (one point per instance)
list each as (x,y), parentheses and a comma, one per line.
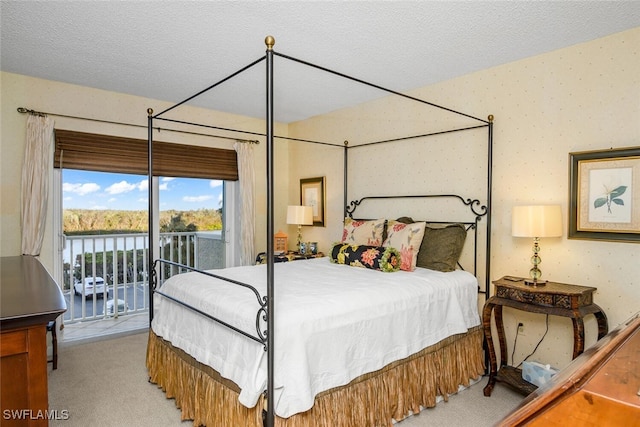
(14,342)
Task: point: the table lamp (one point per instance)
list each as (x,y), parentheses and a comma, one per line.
(536,222)
(299,215)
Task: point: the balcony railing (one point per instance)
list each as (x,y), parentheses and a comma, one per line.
(121,261)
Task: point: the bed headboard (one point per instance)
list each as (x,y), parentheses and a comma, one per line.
(475,209)
(439,210)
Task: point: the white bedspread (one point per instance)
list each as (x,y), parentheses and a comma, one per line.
(333,323)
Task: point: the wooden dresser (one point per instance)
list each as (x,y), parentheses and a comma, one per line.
(29,299)
(599,388)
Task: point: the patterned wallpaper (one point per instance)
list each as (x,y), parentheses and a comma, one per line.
(584,97)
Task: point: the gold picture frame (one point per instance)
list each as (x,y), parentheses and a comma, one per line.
(604,195)
(312,193)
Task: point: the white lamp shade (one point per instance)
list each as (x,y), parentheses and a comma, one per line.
(536,221)
(299,215)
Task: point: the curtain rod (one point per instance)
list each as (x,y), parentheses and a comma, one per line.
(23,110)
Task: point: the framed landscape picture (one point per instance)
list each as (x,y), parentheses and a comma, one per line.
(604,195)
(312,194)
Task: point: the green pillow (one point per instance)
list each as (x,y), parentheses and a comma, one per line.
(441,247)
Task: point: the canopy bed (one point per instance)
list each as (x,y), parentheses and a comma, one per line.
(373,332)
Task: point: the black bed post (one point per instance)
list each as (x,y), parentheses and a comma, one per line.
(150,209)
(270,418)
(346,177)
(489,188)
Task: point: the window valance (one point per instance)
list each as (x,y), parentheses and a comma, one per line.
(106,153)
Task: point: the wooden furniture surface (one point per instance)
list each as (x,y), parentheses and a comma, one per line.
(558,299)
(599,388)
(29,300)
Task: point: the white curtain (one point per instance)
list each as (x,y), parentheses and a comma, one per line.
(246,176)
(36,168)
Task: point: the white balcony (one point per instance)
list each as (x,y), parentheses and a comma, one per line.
(122,260)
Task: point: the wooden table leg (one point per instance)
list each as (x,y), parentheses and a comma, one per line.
(502,337)
(493,365)
(603,324)
(578,336)
(578,330)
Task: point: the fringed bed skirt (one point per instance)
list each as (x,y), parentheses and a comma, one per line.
(373,399)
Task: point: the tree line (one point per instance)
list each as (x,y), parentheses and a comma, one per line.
(89,221)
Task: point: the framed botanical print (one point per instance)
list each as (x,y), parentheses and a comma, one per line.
(312,194)
(604,195)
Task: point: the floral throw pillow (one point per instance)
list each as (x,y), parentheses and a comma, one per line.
(363,232)
(406,238)
(373,257)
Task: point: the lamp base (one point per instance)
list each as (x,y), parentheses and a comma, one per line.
(299,238)
(534,282)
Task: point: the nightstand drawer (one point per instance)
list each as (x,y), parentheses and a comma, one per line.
(550,294)
(523,296)
(546,299)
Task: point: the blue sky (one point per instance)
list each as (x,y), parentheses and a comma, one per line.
(99,190)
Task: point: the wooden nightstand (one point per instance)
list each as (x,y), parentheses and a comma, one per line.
(558,299)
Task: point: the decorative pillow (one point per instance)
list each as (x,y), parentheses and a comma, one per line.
(406,238)
(373,257)
(441,247)
(405,220)
(402,219)
(361,232)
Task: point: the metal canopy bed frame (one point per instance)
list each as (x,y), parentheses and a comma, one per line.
(265,303)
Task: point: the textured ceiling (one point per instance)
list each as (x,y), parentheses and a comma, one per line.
(169,50)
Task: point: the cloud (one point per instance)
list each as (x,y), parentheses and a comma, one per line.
(164,183)
(196,198)
(120,187)
(215,183)
(144,184)
(80,189)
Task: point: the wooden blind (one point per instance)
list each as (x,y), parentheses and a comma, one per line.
(105,153)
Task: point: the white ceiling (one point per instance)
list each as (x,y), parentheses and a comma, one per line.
(169,50)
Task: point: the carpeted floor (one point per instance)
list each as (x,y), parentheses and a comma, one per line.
(105,384)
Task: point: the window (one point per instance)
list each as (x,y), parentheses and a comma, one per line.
(103,185)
